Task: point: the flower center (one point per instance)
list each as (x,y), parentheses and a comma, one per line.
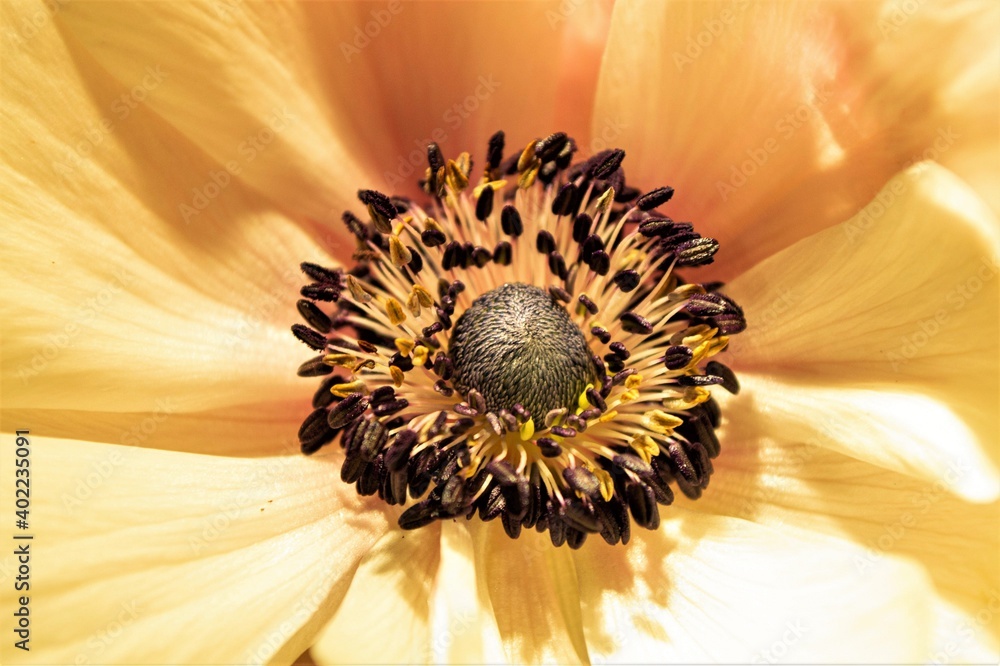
(523,352)
(516,345)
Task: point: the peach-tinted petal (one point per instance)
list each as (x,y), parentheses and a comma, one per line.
(714,589)
(115,297)
(892,311)
(259,429)
(361,86)
(146,556)
(774,473)
(775,120)
(533,591)
(385,617)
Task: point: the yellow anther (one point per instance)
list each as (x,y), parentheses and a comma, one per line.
(633,257)
(404,345)
(344,390)
(456,178)
(342,360)
(527,156)
(399,254)
(645,446)
(661,422)
(397,375)
(629,396)
(394,309)
(413,305)
(423,296)
(495,185)
(527,179)
(633,381)
(358,291)
(607,416)
(607,484)
(419,355)
(582,401)
(527,430)
(605,200)
(430,224)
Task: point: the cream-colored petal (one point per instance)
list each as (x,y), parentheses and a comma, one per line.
(892,314)
(363,87)
(533,591)
(385,617)
(776,120)
(463,626)
(146,556)
(715,589)
(904,431)
(261,429)
(778,473)
(116,297)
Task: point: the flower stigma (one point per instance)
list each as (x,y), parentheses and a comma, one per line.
(524,351)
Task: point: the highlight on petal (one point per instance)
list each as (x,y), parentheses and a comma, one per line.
(329,97)
(533,592)
(146,556)
(715,589)
(888,324)
(385,617)
(774,472)
(131,258)
(781,119)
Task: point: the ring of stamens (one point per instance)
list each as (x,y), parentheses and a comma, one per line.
(406,342)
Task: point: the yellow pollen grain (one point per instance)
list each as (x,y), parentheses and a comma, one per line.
(394,309)
(344,390)
(413,305)
(404,346)
(430,224)
(495,185)
(645,446)
(423,296)
(458,177)
(527,430)
(527,156)
(629,396)
(607,416)
(661,422)
(399,254)
(527,179)
(342,360)
(397,375)
(633,381)
(607,485)
(358,292)
(605,200)
(419,355)
(367,364)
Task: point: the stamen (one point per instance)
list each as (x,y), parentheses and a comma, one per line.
(486,376)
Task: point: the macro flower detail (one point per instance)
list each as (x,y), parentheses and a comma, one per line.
(537,359)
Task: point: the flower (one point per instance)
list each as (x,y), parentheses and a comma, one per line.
(853,509)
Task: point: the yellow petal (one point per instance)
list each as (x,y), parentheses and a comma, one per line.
(106,284)
(892,316)
(533,591)
(713,589)
(156,537)
(385,617)
(772,472)
(776,120)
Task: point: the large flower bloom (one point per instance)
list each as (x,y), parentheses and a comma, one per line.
(167,166)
